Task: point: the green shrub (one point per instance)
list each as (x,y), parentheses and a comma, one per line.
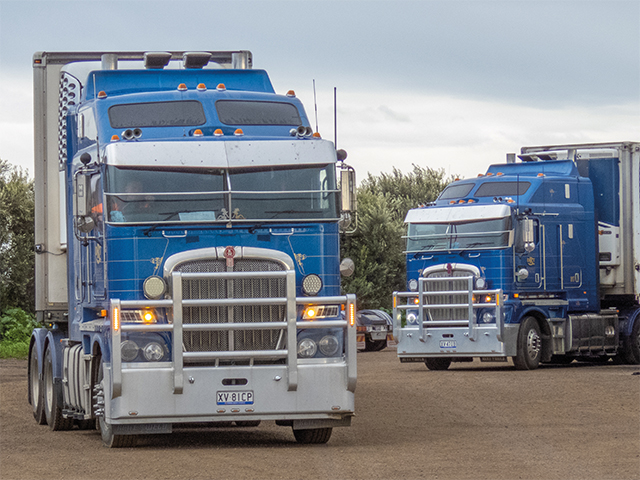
(16,326)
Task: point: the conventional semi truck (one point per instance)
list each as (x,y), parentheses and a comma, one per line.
(537,260)
(187,249)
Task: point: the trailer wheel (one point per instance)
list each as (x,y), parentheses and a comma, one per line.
(109,439)
(35,387)
(313,435)
(529,349)
(52,404)
(631,349)
(437,363)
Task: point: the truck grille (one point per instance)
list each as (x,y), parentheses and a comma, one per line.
(208,341)
(450,282)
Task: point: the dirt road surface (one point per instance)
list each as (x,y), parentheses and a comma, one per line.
(473,421)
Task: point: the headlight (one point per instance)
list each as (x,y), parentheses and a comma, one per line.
(412,318)
(311,284)
(154,287)
(307,348)
(128,351)
(487,317)
(481,283)
(413,285)
(153,352)
(329,345)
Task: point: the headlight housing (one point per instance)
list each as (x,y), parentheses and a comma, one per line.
(329,345)
(154,287)
(311,285)
(307,348)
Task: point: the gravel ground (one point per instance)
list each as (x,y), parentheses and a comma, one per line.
(473,421)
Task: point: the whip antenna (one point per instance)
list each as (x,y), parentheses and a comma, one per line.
(315,103)
(335,118)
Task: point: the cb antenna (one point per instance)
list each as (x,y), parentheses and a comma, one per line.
(335,118)
(315,103)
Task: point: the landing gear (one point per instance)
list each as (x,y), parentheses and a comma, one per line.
(529,349)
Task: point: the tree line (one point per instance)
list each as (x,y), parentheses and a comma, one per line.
(376,248)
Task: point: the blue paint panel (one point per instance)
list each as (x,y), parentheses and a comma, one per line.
(605,176)
(119,82)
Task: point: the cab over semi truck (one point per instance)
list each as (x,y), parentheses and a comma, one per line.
(538,260)
(187,249)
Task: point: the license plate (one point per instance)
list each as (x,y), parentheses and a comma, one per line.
(244,397)
(448,344)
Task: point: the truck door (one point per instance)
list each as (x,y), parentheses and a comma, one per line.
(95,254)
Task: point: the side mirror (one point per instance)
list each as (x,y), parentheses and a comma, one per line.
(348,196)
(347,267)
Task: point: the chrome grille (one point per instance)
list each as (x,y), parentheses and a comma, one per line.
(449,283)
(208,341)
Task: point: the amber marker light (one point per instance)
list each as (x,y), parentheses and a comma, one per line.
(115,138)
(201,87)
(317,135)
(218,132)
(238,132)
(115,320)
(352,314)
(310,313)
(102,94)
(221,87)
(291,93)
(197,133)
(148,317)
(182,87)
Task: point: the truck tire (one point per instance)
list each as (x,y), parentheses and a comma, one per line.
(109,439)
(437,363)
(529,348)
(35,387)
(631,349)
(52,404)
(374,345)
(313,435)
(248,423)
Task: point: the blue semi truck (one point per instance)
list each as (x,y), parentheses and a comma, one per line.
(537,260)
(187,249)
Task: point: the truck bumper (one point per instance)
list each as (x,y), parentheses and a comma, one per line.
(147,395)
(456,342)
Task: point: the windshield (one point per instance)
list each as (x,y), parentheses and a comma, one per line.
(478,234)
(136,195)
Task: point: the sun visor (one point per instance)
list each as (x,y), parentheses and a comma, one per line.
(457,214)
(253,153)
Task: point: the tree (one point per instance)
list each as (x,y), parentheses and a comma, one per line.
(377,246)
(17,258)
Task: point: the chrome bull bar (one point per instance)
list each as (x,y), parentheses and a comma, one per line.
(291,324)
(425,317)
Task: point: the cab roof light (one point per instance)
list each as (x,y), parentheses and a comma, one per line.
(499,174)
(238,132)
(452,202)
(182,87)
(317,135)
(115,138)
(197,133)
(102,94)
(221,87)
(480,175)
(541,174)
(218,132)
(202,87)
(291,93)
(461,201)
(489,174)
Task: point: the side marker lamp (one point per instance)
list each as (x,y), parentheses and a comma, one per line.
(352,314)
(148,317)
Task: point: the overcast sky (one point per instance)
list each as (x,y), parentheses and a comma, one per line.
(451,85)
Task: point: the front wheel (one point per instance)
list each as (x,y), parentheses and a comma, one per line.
(35,387)
(109,439)
(313,435)
(437,363)
(529,349)
(53,397)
